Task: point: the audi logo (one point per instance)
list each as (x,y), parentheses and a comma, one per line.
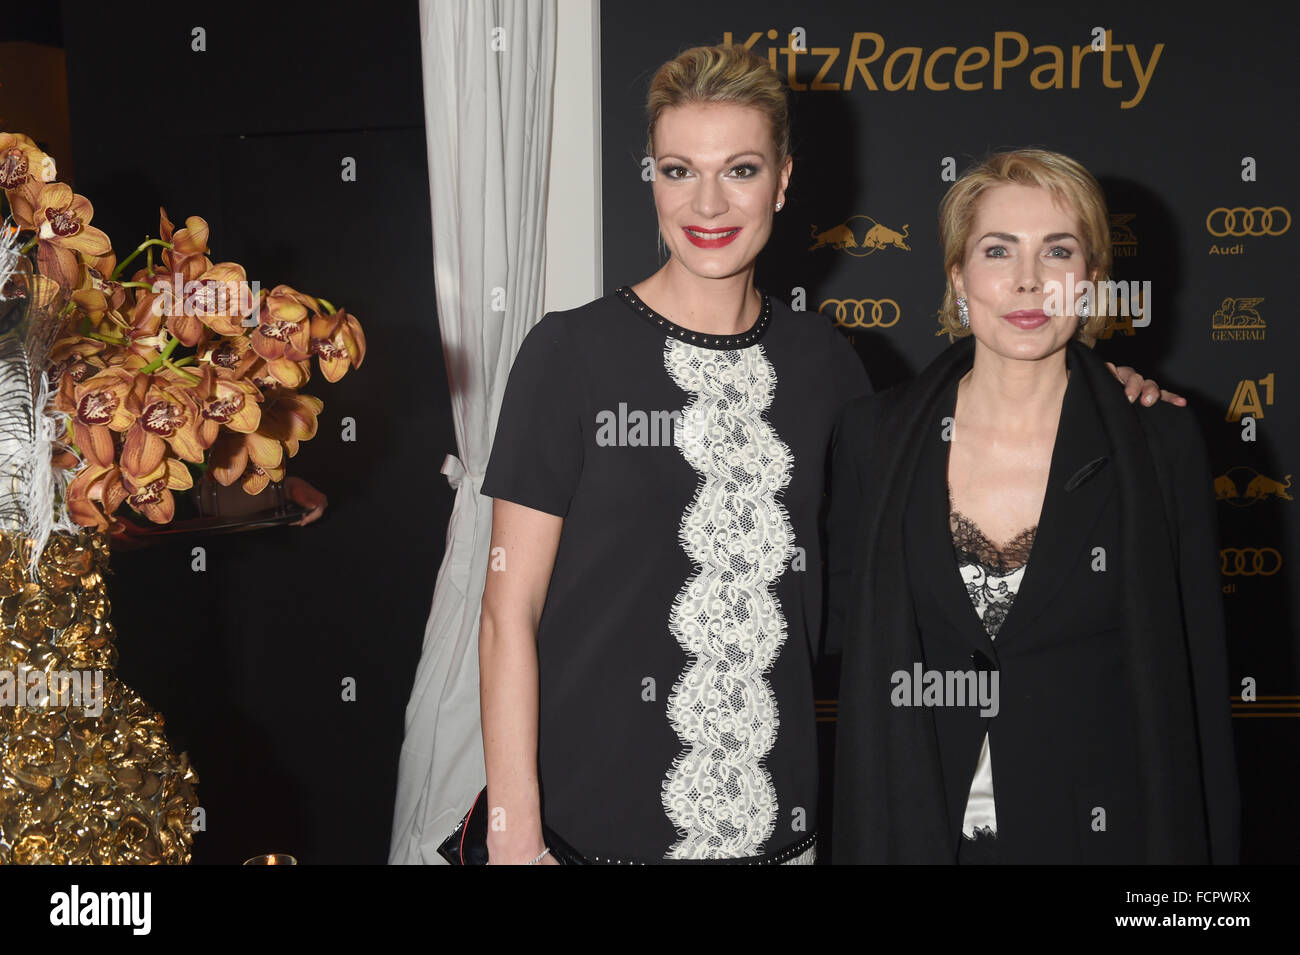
(866,312)
(1250,561)
(1240,221)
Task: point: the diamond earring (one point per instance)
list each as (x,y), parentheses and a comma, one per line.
(779,205)
(1082,310)
(963,313)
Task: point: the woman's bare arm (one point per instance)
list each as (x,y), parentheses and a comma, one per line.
(524,542)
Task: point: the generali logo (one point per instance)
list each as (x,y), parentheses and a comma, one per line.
(1237,320)
(1123,240)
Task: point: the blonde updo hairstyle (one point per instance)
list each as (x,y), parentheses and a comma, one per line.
(721,74)
(1072,185)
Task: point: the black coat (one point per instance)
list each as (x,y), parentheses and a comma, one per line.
(1113,740)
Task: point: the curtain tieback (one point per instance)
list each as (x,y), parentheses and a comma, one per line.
(457,473)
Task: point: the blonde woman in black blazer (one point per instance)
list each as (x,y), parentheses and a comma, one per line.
(1022,575)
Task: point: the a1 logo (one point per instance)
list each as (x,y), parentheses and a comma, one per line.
(1246,400)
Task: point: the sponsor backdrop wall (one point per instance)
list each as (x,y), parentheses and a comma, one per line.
(1183,123)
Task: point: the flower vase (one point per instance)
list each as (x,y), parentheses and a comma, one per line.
(212,499)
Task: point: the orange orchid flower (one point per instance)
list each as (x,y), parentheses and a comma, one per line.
(102,407)
(62,220)
(225,399)
(232,355)
(24,171)
(221,302)
(152,496)
(290,418)
(96,305)
(232,453)
(72,361)
(283,333)
(188,254)
(95,494)
(256,478)
(146,331)
(338,342)
(168,416)
(274,376)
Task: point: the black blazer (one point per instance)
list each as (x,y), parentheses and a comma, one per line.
(1112,741)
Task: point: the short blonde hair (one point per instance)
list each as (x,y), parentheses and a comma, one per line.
(721,74)
(1068,181)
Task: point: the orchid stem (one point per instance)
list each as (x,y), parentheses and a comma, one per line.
(28,247)
(185,376)
(328,304)
(107,338)
(147,243)
(161,359)
(135,285)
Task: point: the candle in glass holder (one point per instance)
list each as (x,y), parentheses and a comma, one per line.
(272,858)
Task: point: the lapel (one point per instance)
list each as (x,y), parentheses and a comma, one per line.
(1079,482)
(941,583)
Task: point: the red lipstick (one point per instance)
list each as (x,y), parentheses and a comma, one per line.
(710,238)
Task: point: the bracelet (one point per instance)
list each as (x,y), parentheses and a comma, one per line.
(540,856)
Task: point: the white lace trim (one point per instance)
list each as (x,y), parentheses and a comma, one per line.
(718,794)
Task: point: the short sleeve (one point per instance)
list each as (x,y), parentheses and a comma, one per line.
(537,452)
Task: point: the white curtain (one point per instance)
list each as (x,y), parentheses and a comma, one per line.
(489,68)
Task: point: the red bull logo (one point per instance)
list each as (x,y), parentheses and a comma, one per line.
(1243,486)
(860,236)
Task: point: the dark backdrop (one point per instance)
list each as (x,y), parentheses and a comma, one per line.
(1218,93)
(246,660)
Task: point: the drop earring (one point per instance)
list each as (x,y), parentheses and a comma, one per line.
(963,312)
(1082,310)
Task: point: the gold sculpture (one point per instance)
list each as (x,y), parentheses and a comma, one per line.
(89,783)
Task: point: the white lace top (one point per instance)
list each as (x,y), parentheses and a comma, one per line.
(992,576)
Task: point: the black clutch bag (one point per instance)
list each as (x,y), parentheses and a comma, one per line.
(467,845)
